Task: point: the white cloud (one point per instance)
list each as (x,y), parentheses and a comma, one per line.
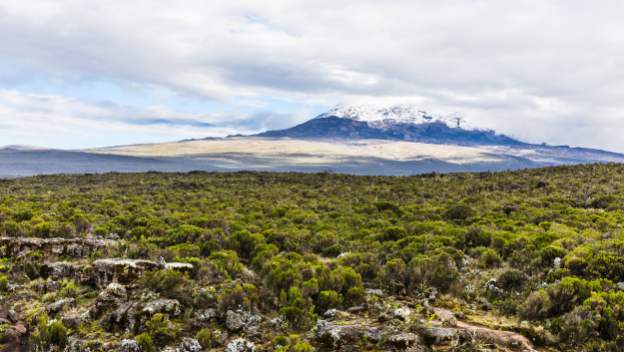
(540,70)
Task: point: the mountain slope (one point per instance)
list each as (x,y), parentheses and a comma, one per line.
(386,141)
(394,123)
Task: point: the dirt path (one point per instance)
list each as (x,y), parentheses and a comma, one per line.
(507,339)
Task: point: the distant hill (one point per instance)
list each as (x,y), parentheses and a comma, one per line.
(396,140)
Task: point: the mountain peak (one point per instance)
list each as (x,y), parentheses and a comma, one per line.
(382,116)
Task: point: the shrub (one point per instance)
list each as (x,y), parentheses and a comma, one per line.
(393,276)
(49,334)
(161,329)
(536,306)
(511,279)
(489,258)
(208,338)
(438,270)
(170,283)
(459,212)
(145,342)
(69,289)
(4,283)
(328,299)
(297,311)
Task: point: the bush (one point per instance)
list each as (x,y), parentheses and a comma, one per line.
(297,311)
(459,212)
(208,338)
(328,299)
(49,334)
(511,279)
(536,306)
(161,329)
(145,343)
(4,283)
(439,270)
(489,258)
(169,283)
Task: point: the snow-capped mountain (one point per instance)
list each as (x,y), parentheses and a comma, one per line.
(400,122)
(395,140)
(396,114)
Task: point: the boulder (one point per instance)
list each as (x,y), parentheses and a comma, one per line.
(240,345)
(205,315)
(162,305)
(60,305)
(338,337)
(128,345)
(189,345)
(121,270)
(441,335)
(242,321)
(405,341)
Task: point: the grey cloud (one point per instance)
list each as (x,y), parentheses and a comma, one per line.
(553,64)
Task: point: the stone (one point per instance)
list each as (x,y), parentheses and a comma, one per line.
(241,320)
(60,305)
(162,305)
(204,315)
(189,345)
(441,335)
(375,292)
(337,336)
(240,345)
(404,340)
(330,313)
(401,313)
(128,345)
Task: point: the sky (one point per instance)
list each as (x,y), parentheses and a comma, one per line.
(80,73)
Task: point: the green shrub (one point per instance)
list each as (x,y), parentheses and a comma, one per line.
(161,329)
(208,338)
(459,212)
(49,334)
(438,270)
(328,299)
(170,283)
(297,310)
(511,279)
(4,283)
(489,258)
(145,342)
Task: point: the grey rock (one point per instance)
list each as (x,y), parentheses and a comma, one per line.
(234,321)
(330,313)
(401,313)
(441,335)
(169,306)
(336,336)
(240,345)
(242,320)
(375,292)
(204,315)
(60,305)
(620,286)
(128,345)
(404,340)
(189,345)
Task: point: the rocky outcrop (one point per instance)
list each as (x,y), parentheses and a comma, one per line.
(345,337)
(240,320)
(125,270)
(73,247)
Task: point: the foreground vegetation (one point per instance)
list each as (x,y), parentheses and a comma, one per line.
(540,252)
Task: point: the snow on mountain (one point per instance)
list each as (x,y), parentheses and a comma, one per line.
(381,117)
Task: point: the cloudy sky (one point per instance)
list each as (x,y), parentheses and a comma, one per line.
(79,73)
